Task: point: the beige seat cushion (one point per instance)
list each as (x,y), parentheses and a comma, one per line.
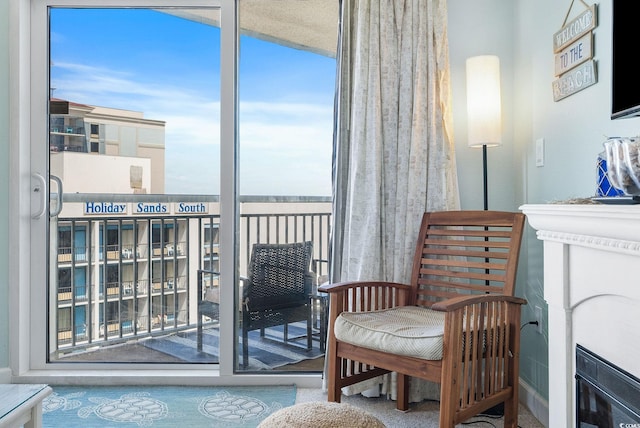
(407,330)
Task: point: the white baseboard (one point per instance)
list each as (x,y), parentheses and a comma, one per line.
(537,405)
(5,375)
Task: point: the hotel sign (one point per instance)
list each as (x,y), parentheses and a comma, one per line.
(150,208)
(190,208)
(102,208)
(145,208)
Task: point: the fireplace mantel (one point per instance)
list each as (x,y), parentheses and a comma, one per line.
(591,259)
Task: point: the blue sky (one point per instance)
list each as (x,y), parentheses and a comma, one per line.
(168,68)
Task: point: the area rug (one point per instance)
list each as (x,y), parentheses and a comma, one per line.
(163,406)
(265,353)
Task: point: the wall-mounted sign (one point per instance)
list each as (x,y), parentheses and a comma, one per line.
(574,81)
(101,208)
(151,208)
(585,22)
(191,208)
(574,54)
(146,208)
(573,48)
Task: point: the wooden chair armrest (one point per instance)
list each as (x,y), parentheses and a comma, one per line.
(472,299)
(363,296)
(342,286)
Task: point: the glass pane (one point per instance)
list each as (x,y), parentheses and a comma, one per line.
(286,89)
(134,139)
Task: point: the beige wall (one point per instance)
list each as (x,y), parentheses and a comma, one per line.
(127,133)
(92,173)
(157,161)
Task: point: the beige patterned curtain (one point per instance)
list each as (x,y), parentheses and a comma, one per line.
(394,153)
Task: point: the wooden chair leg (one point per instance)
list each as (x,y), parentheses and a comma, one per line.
(446,420)
(449,398)
(511,404)
(511,413)
(333,372)
(403,392)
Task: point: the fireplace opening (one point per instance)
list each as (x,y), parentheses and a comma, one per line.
(606,395)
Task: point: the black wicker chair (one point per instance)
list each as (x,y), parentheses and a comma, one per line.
(277,290)
(208,301)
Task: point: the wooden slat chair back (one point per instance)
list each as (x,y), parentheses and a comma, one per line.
(464,274)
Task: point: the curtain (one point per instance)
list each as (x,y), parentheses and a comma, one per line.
(393,145)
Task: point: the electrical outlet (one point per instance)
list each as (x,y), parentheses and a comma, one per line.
(540,152)
(538,314)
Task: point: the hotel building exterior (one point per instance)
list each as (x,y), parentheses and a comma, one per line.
(126,256)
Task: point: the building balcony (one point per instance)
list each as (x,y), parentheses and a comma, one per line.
(147,283)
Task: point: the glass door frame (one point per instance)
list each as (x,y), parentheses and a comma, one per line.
(29,94)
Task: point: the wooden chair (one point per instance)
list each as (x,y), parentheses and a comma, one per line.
(457,323)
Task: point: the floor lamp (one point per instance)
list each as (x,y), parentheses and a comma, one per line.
(484,115)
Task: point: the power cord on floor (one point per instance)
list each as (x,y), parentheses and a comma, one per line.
(477,421)
(480,415)
(529,323)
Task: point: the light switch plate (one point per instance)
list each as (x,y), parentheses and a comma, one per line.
(540,152)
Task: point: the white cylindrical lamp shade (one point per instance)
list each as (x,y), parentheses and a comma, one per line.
(484,113)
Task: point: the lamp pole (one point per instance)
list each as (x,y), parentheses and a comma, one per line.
(484,177)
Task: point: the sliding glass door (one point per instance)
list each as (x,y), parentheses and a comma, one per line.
(143,232)
(286,91)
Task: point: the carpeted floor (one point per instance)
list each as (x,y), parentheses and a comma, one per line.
(243,407)
(420,415)
(163,406)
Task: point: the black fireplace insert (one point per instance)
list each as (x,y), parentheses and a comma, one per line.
(607,396)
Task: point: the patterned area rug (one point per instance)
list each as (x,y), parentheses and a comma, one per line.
(264,353)
(163,406)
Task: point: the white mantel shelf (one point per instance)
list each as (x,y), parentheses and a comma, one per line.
(618,222)
(592,288)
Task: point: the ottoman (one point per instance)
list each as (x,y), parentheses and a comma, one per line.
(320,414)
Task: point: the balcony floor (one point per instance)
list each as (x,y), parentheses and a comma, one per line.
(139,353)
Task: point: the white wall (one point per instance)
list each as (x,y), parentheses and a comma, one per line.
(483,27)
(520,32)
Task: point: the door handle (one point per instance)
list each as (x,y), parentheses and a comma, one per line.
(40,188)
(58,197)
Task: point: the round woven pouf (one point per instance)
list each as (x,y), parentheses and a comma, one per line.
(319,414)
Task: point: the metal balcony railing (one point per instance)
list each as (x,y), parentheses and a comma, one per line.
(139,272)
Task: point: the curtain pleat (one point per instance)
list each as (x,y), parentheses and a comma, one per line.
(393,146)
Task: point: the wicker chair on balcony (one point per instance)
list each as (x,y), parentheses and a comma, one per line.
(460,296)
(209,300)
(277,290)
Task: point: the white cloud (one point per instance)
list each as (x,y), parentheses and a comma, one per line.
(285,146)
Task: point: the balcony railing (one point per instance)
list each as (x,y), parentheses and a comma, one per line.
(143,293)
